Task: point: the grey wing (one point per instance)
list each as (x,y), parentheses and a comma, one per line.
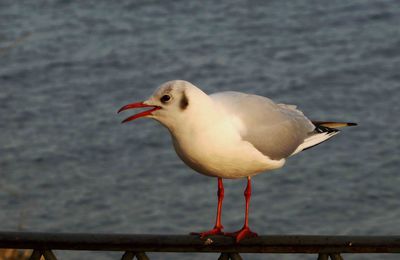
(276,130)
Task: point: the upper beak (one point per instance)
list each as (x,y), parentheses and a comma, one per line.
(141,114)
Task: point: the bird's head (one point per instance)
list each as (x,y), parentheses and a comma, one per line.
(169,104)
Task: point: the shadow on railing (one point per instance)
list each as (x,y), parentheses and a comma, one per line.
(137,245)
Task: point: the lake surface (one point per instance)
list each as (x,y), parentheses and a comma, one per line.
(68,165)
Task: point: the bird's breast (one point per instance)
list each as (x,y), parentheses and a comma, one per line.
(219,151)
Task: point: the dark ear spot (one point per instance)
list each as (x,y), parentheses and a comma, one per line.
(184,103)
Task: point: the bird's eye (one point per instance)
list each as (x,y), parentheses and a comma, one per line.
(165,98)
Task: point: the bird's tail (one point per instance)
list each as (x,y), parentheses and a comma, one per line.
(322,132)
(332,124)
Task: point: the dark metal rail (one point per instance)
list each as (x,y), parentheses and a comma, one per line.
(137,245)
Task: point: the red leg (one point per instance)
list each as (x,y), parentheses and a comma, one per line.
(245,231)
(217,230)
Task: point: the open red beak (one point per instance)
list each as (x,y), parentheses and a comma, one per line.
(141,114)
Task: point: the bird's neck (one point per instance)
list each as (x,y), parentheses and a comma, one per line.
(201,118)
(206,127)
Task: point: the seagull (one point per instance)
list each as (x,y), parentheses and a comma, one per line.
(231,135)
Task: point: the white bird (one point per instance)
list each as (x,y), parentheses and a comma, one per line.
(231,135)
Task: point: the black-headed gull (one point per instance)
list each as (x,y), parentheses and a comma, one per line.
(231,135)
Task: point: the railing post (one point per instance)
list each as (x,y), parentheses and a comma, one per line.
(128,255)
(235,256)
(336,256)
(232,256)
(223,256)
(49,255)
(322,256)
(141,256)
(36,255)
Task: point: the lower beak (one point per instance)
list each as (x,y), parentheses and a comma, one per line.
(141,114)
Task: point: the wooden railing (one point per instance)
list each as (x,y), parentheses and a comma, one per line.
(324,247)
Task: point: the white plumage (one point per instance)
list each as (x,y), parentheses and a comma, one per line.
(231,134)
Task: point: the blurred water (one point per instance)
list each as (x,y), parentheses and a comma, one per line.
(67,165)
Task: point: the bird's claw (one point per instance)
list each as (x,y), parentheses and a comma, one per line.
(214,231)
(244,232)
